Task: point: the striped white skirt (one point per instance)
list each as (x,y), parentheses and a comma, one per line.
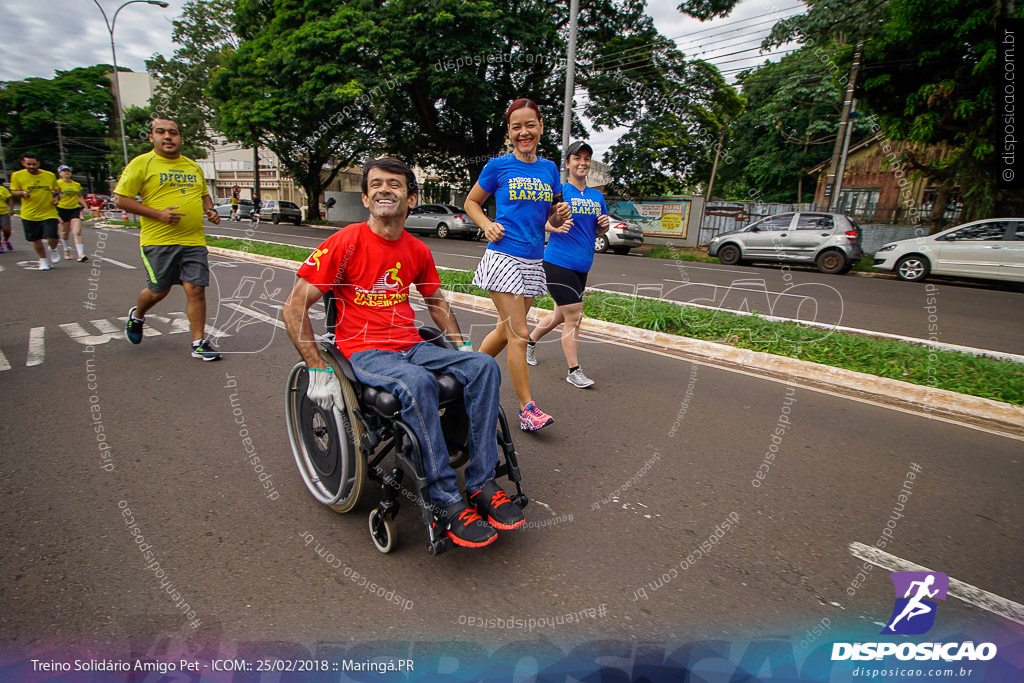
(499,272)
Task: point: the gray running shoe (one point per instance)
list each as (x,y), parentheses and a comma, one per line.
(578,379)
(531,356)
(204,351)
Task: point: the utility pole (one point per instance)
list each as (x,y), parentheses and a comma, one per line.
(841,171)
(256,170)
(60,143)
(3,158)
(844,122)
(714,166)
(570,84)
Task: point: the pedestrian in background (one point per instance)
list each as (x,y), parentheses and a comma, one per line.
(6,211)
(38,192)
(69,210)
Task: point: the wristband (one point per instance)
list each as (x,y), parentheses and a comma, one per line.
(467,345)
(327,369)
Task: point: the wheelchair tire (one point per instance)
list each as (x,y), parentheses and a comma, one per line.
(382,531)
(326,444)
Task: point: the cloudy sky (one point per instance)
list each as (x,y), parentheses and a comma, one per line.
(38,37)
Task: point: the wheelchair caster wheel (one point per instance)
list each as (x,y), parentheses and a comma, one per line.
(382,531)
(521,500)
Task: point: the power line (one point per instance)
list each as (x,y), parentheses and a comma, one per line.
(702,41)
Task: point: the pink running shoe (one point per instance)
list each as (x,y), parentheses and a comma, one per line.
(531,418)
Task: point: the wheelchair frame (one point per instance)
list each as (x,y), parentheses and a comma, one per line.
(337,452)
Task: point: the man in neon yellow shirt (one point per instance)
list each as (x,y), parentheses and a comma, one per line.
(69,209)
(174,200)
(37,189)
(6,209)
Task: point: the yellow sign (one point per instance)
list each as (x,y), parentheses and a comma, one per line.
(671,222)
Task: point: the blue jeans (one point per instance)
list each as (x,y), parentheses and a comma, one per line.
(407,375)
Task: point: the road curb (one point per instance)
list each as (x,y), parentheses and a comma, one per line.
(997,416)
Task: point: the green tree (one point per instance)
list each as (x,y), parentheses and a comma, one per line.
(300,83)
(460,64)
(136,131)
(788,126)
(928,72)
(931,79)
(80,99)
(670,147)
(205,34)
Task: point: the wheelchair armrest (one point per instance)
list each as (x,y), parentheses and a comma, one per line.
(346,367)
(436,337)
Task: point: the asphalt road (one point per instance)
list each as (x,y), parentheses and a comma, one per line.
(985,315)
(600,536)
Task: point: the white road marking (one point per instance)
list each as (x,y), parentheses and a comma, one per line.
(36,346)
(990,602)
(116,263)
(442,253)
(736,289)
(677,266)
(4,365)
(256,314)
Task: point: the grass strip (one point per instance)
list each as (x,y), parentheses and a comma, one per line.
(959,372)
(278,250)
(679,254)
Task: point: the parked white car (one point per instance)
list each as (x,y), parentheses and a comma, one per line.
(992,249)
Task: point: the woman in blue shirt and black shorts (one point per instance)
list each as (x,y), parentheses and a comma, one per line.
(567,261)
(528,194)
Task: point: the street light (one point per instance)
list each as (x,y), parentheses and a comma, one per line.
(113,52)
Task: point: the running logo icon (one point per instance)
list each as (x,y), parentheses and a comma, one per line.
(914,612)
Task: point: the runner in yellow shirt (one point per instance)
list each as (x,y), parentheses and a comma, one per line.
(174,200)
(69,209)
(6,209)
(37,189)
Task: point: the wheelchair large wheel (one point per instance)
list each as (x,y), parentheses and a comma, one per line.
(326,443)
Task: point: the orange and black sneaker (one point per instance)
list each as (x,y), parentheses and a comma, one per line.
(465,527)
(493,504)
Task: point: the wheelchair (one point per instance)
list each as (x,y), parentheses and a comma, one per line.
(338,451)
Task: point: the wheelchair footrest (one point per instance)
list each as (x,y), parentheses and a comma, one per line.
(439,546)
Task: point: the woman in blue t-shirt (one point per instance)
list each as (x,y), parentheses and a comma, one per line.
(568,258)
(528,194)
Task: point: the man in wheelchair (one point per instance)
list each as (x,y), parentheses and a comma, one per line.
(368,267)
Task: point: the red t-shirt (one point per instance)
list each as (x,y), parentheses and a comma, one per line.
(370,276)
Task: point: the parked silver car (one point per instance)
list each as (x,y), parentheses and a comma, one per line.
(278,211)
(830,241)
(992,249)
(223,208)
(443,220)
(621,236)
